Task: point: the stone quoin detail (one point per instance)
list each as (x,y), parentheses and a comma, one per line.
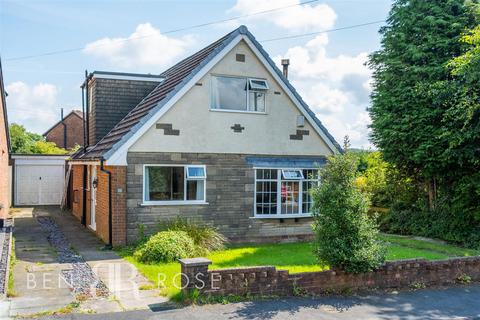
(168,129)
(299,135)
(237,128)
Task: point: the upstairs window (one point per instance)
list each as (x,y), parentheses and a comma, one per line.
(238,94)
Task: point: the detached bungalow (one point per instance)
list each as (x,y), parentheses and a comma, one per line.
(221,138)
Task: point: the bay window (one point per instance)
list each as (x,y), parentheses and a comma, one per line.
(174,184)
(238,94)
(284,192)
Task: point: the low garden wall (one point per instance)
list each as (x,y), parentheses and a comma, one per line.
(267,280)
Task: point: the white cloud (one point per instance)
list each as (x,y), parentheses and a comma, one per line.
(336,88)
(294,18)
(35,107)
(145,47)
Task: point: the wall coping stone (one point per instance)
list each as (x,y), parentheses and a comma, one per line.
(195,262)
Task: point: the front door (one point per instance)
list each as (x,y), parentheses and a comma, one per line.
(93,197)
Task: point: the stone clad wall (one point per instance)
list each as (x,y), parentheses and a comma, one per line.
(270,281)
(230,200)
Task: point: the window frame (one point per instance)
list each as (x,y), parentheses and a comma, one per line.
(185,179)
(279,180)
(248,90)
(252,86)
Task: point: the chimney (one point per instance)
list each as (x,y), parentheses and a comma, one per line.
(285,63)
(111,95)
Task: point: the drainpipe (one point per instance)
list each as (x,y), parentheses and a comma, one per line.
(110,218)
(84,198)
(87,108)
(83,118)
(64,130)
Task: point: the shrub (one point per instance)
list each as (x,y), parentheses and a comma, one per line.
(166,246)
(346,237)
(206,238)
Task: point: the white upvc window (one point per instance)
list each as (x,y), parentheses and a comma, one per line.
(284,193)
(174,184)
(239,94)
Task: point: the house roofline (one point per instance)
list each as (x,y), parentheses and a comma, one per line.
(4,105)
(123,76)
(115,153)
(74,112)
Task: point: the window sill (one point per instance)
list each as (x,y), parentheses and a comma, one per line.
(238,111)
(173,203)
(283,216)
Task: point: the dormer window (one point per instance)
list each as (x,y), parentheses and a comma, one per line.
(239,94)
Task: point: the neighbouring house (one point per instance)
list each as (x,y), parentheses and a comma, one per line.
(5,168)
(223,139)
(68,132)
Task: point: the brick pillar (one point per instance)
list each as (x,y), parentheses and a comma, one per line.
(195,274)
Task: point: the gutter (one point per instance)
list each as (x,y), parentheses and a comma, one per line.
(110,217)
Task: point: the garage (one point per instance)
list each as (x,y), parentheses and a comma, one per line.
(38,179)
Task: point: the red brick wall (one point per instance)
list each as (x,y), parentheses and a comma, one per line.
(74,125)
(119,175)
(4,168)
(270,281)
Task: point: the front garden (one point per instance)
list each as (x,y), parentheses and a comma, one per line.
(294,257)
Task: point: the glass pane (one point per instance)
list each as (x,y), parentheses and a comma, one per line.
(266,197)
(258,84)
(257,101)
(195,189)
(195,172)
(310,174)
(164,183)
(266,174)
(292,174)
(290,197)
(306,197)
(229,93)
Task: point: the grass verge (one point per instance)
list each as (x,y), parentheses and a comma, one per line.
(13,259)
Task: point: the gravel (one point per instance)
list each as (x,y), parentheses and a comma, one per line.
(80,277)
(5,234)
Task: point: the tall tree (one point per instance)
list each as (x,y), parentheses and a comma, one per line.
(412,94)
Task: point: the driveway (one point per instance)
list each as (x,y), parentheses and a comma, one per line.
(62,265)
(460,302)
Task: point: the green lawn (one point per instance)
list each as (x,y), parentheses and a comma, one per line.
(294,257)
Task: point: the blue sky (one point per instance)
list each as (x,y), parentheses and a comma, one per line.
(327,69)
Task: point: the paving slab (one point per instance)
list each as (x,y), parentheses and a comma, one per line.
(121,277)
(37,273)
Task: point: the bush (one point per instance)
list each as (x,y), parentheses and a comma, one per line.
(206,239)
(166,246)
(346,237)
(455,217)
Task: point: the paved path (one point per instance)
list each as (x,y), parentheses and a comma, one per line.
(451,303)
(36,271)
(38,282)
(121,277)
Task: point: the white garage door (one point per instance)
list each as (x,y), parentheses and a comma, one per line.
(39,180)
